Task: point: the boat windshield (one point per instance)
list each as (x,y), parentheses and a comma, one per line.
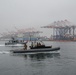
(37,43)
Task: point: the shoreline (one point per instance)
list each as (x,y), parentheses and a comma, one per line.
(61,40)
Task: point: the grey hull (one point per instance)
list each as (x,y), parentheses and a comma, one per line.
(36,50)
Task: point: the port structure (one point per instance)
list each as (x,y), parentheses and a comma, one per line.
(22,34)
(62,30)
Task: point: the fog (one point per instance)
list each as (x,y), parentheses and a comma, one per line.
(35,13)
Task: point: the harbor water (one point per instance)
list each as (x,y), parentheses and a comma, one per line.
(53,63)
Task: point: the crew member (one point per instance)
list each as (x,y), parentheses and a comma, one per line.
(25,46)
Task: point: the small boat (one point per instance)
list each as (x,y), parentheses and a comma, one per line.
(39,50)
(14,45)
(14,42)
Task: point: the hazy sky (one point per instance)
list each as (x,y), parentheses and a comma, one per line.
(35,13)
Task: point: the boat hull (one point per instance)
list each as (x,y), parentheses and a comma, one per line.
(41,47)
(36,50)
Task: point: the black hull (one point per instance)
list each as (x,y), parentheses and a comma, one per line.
(41,47)
(36,50)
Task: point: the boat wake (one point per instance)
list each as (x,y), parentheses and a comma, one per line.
(4,52)
(2,45)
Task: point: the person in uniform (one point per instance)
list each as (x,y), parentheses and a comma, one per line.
(25,46)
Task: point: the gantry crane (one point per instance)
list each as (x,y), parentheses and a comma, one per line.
(62,30)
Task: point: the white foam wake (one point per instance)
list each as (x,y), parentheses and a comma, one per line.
(2,45)
(4,52)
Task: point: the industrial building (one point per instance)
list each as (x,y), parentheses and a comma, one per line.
(30,34)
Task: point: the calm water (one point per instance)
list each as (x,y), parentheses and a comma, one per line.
(62,63)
